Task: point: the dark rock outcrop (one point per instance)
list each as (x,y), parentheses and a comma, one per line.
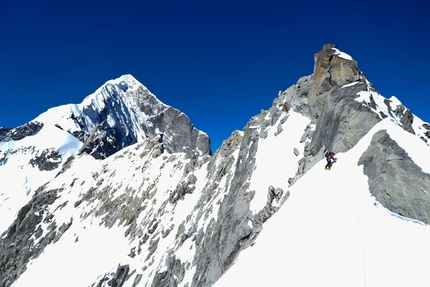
(16,134)
(395,180)
(48,159)
(24,240)
(407,120)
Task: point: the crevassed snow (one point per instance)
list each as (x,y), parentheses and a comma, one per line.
(331,232)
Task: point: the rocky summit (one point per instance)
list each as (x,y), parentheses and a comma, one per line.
(122,189)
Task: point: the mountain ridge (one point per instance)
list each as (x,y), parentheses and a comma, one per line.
(182,217)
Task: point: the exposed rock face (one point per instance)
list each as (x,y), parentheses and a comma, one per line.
(340,120)
(407,120)
(331,69)
(25,240)
(120,276)
(179,134)
(123,112)
(395,180)
(16,134)
(49,159)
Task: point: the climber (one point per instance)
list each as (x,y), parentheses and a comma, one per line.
(329,156)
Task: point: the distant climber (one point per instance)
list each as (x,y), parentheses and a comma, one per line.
(329,156)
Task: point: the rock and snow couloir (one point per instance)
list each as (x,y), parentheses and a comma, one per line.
(123,206)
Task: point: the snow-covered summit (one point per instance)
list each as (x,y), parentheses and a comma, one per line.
(131,82)
(123,112)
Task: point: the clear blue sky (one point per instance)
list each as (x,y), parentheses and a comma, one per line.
(219,62)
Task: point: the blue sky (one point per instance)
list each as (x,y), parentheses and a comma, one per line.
(219,62)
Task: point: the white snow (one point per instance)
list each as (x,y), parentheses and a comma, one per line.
(342,54)
(131,82)
(85,250)
(381,107)
(395,101)
(331,232)
(275,159)
(350,84)
(19,178)
(70,263)
(417,125)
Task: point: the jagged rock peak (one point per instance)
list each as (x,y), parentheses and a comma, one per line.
(123,112)
(333,67)
(130,88)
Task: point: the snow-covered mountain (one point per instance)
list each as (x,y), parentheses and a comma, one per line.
(120,113)
(122,190)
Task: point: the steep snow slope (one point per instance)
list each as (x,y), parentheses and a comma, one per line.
(28,163)
(275,158)
(96,239)
(92,237)
(89,248)
(332,232)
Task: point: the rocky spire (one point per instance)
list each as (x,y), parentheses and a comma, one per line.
(333,67)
